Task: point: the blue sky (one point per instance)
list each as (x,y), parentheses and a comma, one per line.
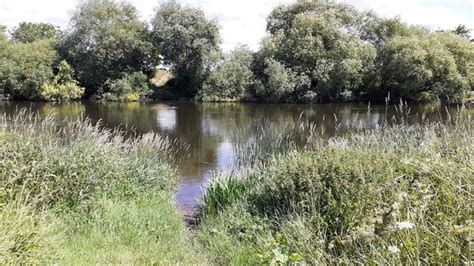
(243,21)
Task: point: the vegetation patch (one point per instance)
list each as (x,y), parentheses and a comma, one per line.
(73,192)
(392,195)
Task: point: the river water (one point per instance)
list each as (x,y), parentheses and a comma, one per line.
(210,129)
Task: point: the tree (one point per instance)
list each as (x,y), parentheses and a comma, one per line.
(319,42)
(25,67)
(106,40)
(30,32)
(462,31)
(232,80)
(3,36)
(437,65)
(188,41)
(279,81)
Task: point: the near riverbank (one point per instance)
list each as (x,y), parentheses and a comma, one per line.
(74,193)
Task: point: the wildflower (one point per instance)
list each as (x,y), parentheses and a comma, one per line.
(393,249)
(404,225)
(368,234)
(402,196)
(395,206)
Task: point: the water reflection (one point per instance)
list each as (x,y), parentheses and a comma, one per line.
(213,130)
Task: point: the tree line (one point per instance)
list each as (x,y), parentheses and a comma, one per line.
(314,51)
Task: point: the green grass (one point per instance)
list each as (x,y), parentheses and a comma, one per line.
(142,231)
(73,193)
(347,200)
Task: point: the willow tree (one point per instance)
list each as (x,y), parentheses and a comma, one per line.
(188,42)
(27,32)
(107,39)
(319,47)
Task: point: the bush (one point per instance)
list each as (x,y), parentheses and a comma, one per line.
(392,195)
(63,87)
(130,88)
(25,67)
(429,65)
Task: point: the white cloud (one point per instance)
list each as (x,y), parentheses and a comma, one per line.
(435,14)
(243,21)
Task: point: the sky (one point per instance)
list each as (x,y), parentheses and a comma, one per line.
(243,21)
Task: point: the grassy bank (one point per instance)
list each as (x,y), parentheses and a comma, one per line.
(392,195)
(72,193)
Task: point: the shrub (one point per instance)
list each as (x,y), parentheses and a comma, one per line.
(63,87)
(131,87)
(25,67)
(416,66)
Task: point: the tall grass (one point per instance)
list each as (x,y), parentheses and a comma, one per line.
(394,194)
(72,192)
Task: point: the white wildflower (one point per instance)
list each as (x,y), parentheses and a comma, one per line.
(404,225)
(393,249)
(368,234)
(395,206)
(402,196)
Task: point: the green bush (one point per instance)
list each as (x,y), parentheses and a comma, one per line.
(435,65)
(25,67)
(392,195)
(63,87)
(130,88)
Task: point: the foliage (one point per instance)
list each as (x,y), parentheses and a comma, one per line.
(462,31)
(280,81)
(25,67)
(232,80)
(130,88)
(63,87)
(3,36)
(315,51)
(106,40)
(27,32)
(391,195)
(317,42)
(438,65)
(188,41)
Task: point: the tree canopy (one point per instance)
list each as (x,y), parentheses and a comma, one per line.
(233,78)
(188,42)
(107,39)
(28,32)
